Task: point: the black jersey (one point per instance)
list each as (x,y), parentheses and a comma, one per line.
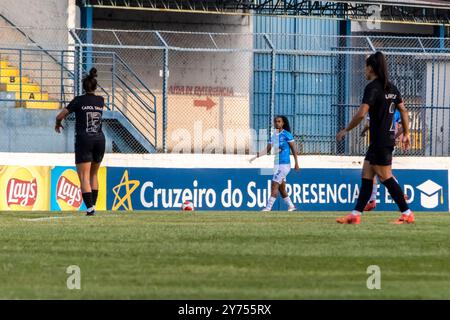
(88,110)
(382,105)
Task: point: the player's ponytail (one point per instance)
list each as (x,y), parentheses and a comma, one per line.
(378,63)
(89,82)
(286,125)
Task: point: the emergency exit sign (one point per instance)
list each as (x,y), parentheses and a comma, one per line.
(210,91)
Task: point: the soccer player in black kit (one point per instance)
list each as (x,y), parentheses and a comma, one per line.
(89,138)
(381,99)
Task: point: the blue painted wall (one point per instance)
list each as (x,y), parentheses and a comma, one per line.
(306,86)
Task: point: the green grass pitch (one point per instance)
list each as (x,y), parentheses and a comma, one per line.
(223,255)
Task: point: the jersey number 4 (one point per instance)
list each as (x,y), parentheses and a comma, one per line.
(392,111)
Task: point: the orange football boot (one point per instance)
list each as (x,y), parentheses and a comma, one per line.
(372,204)
(350,219)
(405,219)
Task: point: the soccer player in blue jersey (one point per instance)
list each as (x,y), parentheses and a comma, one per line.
(282,142)
(372,204)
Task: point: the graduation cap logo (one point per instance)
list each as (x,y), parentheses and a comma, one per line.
(430,194)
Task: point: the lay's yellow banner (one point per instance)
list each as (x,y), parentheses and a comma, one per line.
(66,192)
(33,188)
(24,188)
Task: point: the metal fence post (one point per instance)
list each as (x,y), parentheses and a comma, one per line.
(272,83)
(432,106)
(164,102)
(62,79)
(20,76)
(273,79)
(41,66)
(113,73)
(80,70)
(165,74)
(344,63)
(78,51)
(75,71)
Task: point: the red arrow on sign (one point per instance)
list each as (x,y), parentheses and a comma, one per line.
(208,103)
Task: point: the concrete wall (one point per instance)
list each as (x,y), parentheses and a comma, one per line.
(122,19)
(32,130)
(44,21)
(392,28)
(27,130)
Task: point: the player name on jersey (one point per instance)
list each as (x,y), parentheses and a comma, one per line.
(95,108)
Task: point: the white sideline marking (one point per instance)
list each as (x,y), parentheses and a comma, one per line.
(45,218)
(65,217)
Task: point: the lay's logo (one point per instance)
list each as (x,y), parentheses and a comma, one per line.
(68,191)
(21,190)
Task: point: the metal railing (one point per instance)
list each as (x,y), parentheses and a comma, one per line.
(125,93)
(48,73)
(54,76)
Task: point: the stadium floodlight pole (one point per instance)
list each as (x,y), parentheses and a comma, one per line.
(164,90)
(272,79)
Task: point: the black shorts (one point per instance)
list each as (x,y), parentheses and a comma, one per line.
(89,148)
(379,156)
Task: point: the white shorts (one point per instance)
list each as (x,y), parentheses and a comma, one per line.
(280,172)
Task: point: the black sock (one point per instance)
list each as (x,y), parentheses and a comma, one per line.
(87,198)
(94,196)
(364,194)
(396,193)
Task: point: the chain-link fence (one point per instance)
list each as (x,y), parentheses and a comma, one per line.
(217,93)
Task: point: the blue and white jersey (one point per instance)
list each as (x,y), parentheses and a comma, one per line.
(397,120)
(397,117)
(280,146)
